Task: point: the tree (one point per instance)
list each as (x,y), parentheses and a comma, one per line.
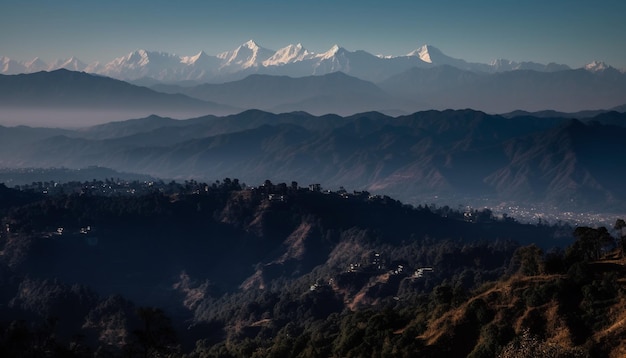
(588,245)
(157,336)
(620,226)
(527,260)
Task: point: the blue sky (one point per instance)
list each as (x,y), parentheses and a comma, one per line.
(564,31)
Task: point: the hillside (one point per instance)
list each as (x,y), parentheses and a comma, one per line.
(564,315)
(281,270)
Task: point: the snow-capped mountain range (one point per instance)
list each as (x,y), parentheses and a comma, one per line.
(292,60)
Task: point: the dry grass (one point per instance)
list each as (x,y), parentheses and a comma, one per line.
(295,243)
(504,297)
(614,335)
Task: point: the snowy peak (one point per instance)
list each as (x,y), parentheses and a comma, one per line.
(332,52)
(140,63)
(197,60)
(431,55)
(288,54)
(428,53)
(251,45)
(245,56)
(94,67)
(72,64)
(424,53)
(137,55)
(35,65)
(142,57)
(136,58)
(145,58)
(502,62)
(597,66)
(11,67)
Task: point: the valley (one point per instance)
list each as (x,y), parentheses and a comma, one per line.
(453,158)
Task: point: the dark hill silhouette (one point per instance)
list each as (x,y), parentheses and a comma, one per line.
(69,91)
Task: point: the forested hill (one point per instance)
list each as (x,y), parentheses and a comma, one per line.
(222,269)
(448,157)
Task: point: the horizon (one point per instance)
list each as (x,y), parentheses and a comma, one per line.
(564,32)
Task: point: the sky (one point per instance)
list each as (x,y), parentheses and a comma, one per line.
(571,32)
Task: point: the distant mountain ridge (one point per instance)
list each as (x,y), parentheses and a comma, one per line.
(331,93)
(416,89)
(444,87)
(35,99)
(52,97)
(292,60)
(455,156)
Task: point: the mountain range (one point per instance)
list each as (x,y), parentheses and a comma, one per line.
(439,87)
(408,135)
(462,156)
(294,79)
(250,58)
(69,98)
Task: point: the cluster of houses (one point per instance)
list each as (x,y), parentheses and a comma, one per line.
(376,264)
(85,232)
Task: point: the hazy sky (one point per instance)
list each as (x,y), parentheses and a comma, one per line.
(573,32)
